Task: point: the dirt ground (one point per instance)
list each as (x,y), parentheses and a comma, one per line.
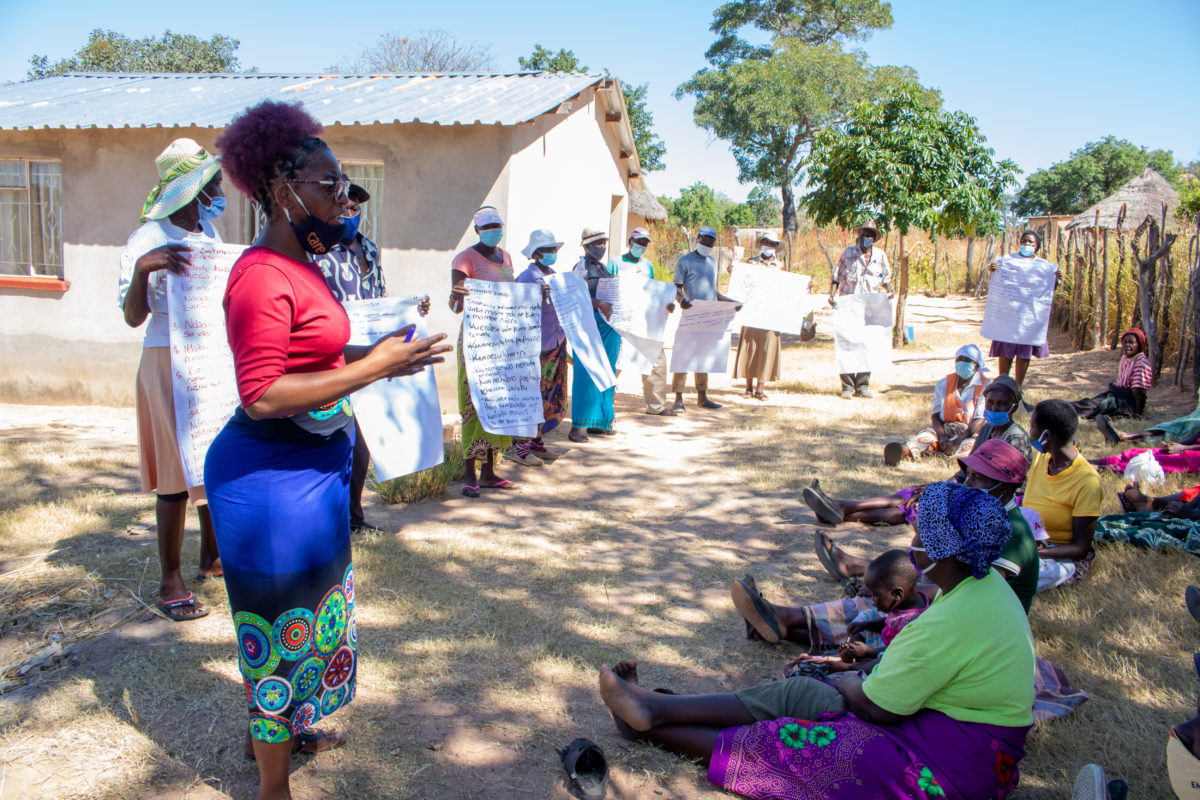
(482,622)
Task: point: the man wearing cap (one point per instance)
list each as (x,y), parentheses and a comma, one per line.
(862,269)
(654,385)
(177,215)
(696,279)
(758,349)
(958,412)
(352,272)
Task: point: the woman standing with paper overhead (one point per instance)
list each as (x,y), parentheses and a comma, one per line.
(278,474)
(758,350)
(482,261)
(592,409)
(1026,261)
(178,212)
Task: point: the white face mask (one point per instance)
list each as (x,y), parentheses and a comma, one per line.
(704,250)
(768,252)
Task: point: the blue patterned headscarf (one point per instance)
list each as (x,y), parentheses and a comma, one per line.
(963,523)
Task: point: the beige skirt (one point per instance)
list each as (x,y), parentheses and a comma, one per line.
(757,355)
(162,469)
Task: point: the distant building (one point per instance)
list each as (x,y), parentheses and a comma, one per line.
(549,150)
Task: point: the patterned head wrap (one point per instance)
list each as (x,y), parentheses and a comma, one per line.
(962,523)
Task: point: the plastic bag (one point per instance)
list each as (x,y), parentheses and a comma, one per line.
(1144,471)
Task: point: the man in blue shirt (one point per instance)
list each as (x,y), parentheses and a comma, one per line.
(696,279)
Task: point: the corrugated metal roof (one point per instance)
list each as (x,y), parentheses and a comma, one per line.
(141,100)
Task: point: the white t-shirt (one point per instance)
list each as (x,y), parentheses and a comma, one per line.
(152,234)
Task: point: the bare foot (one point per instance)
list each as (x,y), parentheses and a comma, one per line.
(627,671)
(850,566)
(212,570)
(625,701)
(1139,501)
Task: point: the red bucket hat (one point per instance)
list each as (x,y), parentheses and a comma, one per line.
(998,460)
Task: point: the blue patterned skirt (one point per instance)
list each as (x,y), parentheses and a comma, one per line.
(281,512)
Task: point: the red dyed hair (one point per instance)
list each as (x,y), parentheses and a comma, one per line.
(265,141)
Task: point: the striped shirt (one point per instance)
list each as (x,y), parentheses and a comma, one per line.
(1135,373)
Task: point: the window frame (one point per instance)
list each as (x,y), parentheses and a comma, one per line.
(32,280)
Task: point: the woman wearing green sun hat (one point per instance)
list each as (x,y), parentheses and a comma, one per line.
(178,213)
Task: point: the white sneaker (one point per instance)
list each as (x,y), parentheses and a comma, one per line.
(528,460)
(1090,784)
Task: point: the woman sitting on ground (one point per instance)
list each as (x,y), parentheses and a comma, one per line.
(944,714)
(957,412)
(1000,470)
(1126,397)
(1001,399)
(1065,490)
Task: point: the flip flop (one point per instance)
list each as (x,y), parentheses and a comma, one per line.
(171,608)
(587,769)
(747,395)
(1191,598)
(754,609)
(1126,506)
(760,395)
(470,491)
(503,483)
(819,502)
(826,559)
(1106,428)
(309,736)
(892,453)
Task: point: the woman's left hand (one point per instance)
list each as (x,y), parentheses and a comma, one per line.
(545,293)
(423,306)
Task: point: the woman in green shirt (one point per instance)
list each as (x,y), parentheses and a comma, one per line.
(944,714)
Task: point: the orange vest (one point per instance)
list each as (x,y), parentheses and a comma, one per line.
(952,407)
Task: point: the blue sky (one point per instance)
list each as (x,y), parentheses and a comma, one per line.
(1043,78)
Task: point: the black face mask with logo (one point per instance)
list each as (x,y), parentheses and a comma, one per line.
(316,236)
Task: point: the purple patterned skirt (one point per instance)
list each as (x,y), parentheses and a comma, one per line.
(1025,351)
(840,756)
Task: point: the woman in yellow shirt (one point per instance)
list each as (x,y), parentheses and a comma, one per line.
(1065,490)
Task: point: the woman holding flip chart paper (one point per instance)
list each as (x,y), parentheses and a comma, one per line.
(592,409)
(278,474)
(758,350)
(178,213)
(1008,352)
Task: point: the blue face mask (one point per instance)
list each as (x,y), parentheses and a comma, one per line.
(964,370)
(596,251)
(548,259)
(214,209)
(1038,444)
(637,250)
(997,419)
(491,237)
(865,243)
(352,226)
(1026,250)
(316,236)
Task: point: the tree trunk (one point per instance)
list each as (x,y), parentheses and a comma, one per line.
(1195,261)
(937,246)
(789,209)
(1104,296)
(1166,290)
(899,335)
(970,256)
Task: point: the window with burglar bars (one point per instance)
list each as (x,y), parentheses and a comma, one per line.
(31,242)
(367,174)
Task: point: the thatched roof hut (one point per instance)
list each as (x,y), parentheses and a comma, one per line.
(1143,196)
(643,203)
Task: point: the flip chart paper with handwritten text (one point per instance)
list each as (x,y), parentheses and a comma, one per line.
(639,315)
(1019,297)
(502,342)
(773,300)
(703,339)
(862,333)
(399,419)
(573,303)
(202,377)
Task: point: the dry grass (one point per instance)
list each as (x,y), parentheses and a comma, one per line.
(428,483)
(482,622)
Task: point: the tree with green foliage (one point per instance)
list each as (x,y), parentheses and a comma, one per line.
(770,110)
(695,206)
(906,165)
(650,148)
(738,215)
(813,22)
(109,51)
(1092,173)
(765,205)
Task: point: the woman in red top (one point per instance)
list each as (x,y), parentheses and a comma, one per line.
(279,472)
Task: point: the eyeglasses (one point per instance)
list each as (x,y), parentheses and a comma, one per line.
(337,189)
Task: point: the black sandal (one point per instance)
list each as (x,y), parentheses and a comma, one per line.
(587,769)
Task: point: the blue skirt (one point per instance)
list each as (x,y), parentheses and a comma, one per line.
(281,513)
(590,407)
